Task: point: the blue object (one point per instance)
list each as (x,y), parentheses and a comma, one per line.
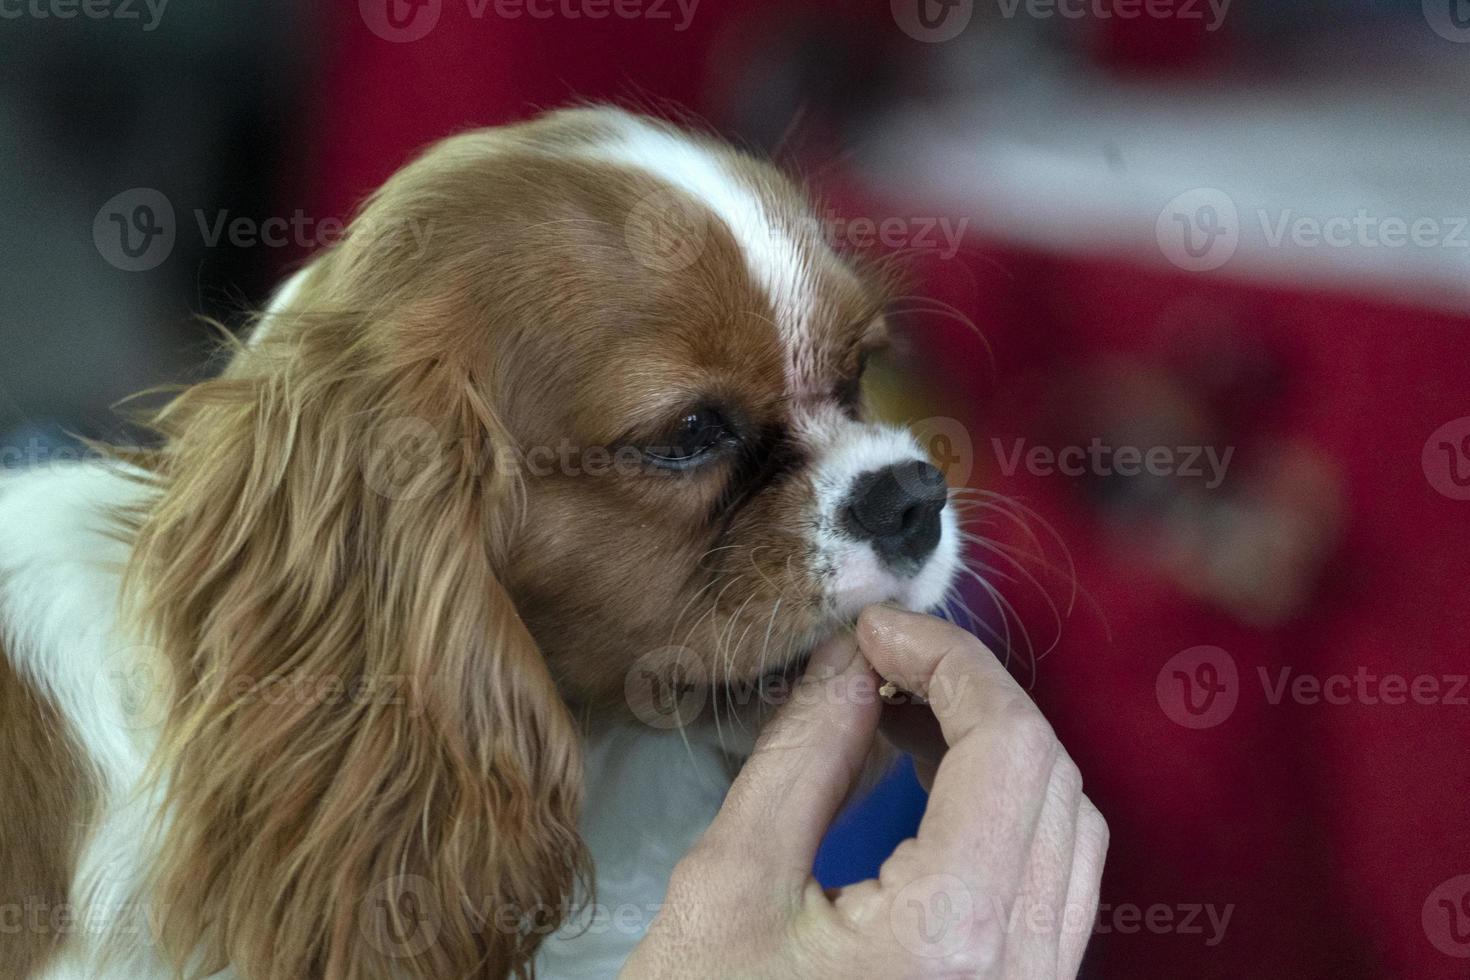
(867,831)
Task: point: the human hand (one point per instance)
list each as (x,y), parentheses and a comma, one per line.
(1001,881)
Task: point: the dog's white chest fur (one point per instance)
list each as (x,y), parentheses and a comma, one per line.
(649,793)
(649,797)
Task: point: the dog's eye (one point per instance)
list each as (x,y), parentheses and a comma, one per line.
(691,439)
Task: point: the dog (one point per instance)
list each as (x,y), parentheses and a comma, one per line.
(381,662)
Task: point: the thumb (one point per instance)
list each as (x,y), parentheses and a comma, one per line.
(805,762)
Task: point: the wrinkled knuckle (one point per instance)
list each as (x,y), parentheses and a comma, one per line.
(1029,737)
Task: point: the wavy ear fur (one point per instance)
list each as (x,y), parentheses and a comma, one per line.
(369,771)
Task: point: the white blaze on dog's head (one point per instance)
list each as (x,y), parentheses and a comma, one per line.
(878,525)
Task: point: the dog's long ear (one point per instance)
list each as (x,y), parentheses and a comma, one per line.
(369,772)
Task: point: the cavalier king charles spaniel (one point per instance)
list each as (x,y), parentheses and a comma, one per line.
(407,643)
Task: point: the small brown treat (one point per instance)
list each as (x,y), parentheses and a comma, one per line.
(888,690)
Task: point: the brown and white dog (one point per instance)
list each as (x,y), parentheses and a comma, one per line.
(343,680)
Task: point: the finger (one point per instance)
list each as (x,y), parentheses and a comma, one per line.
(805,761)
(1089,853)
(1034,947)
(951,669)
(990,786)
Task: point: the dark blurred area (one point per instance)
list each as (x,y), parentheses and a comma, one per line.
(1189,310)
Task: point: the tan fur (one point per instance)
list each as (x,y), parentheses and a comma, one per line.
(49,797)
(346,509)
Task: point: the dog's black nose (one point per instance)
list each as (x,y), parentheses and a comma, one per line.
(897,509)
